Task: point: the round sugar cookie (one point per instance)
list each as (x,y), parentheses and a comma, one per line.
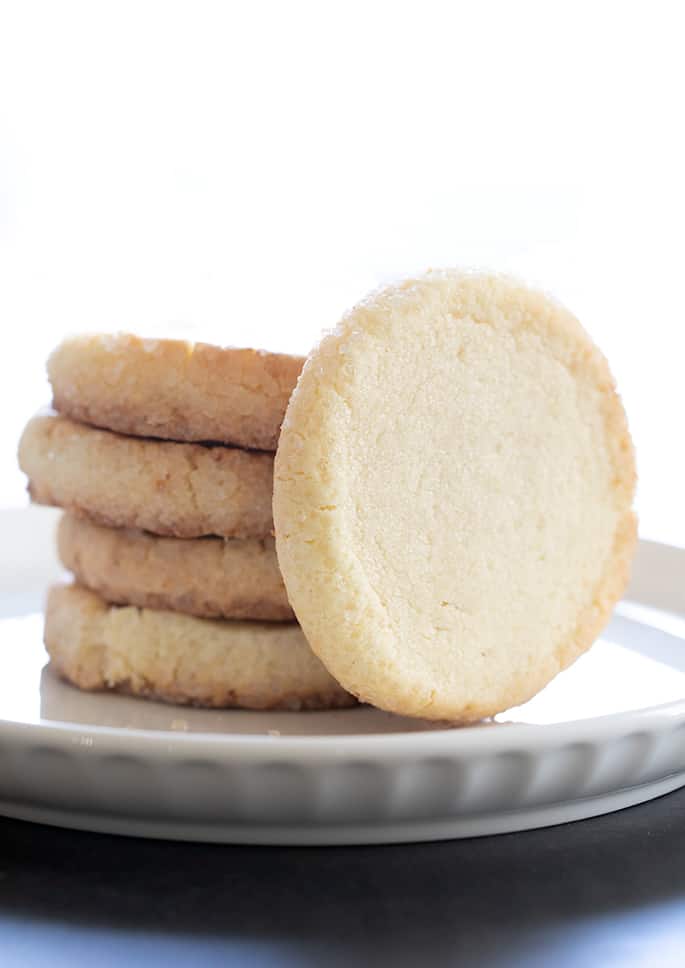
(452,496)
(207,577)
(183,490)
(173,389)
(182,659)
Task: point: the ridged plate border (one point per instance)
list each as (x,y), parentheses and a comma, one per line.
(345,790)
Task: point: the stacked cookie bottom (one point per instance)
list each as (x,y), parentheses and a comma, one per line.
(177,591)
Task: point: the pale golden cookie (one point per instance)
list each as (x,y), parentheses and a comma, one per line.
(183,490)
(453,492)
(182,659)
(207,577)
(172,389)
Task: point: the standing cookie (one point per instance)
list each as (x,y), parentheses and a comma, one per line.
(452,498)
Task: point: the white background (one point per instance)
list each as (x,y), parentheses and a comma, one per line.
(247,171)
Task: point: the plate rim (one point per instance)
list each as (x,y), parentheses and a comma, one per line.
(460,741)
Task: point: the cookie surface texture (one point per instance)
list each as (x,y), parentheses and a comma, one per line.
(173,389)
(452,496)
(182,659)
(207,577)
(182,490)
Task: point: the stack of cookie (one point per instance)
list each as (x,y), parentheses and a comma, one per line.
(161,454)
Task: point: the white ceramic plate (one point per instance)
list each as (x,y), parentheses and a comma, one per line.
(607,733)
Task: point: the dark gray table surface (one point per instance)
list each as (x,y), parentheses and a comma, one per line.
(608,891)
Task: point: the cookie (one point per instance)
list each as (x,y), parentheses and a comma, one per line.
(182,659)
(452,497)
(172,389)
(183,490)
(207,577)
